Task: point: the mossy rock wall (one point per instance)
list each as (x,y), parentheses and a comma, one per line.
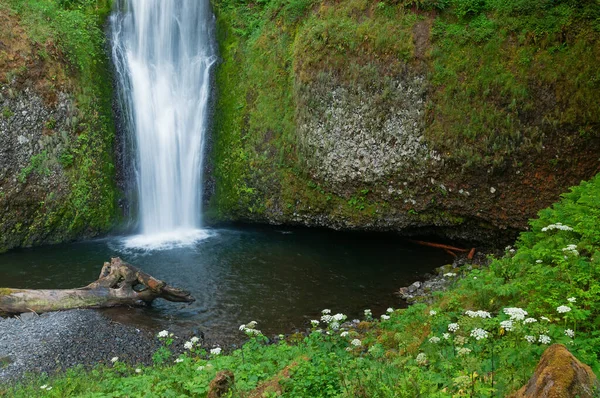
(56,128)
(420,117)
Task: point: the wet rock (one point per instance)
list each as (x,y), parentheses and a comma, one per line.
(221,384)
(560,375)
(414,287)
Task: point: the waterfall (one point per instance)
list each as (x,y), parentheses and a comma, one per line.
(163,52)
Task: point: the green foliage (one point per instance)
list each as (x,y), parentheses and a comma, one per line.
(38,164)
(490,77)
(7,113)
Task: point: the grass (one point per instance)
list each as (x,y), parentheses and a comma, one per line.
(482,337)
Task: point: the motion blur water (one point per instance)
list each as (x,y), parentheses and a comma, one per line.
(163,52)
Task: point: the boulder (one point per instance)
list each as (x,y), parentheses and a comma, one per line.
(560,375)
(221,384)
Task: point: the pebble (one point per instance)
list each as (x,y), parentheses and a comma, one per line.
(57,340)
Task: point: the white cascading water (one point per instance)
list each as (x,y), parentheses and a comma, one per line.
(163,52)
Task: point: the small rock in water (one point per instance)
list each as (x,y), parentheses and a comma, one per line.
(414,287)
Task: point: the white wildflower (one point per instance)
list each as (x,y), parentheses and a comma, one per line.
(216,351)
(530,339)
(538,261)
(543,318)
(253,332)
(138,370)
(479,334)
(446,336)
(339,317)
(390,310)
(571,299)
(251,325)
(530,320)
(385,317)
(462,351)
(507,325)
(326,311)
(421,359)
(314,323)
(242,327)
(327,318)
(356,342)
(200,368)
(194,339)
(43,387)
(163,333)
(334,325)
(449,274)
(544,339)
(348,349)
(515,313)
(179,360)
(558,226)
(48,388)
(478,314)
(114,359)
(453,327)
(432,313)
(343,334)
(188,345)
(434,340)
(368,313)
(569,333)
(571,249)
(563,309)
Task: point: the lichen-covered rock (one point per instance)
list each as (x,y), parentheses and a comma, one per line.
(347,138)
(560,375)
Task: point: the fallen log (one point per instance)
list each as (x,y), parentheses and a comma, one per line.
(119,284)
(440,246)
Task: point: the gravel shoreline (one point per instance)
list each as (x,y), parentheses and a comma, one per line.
(55,341)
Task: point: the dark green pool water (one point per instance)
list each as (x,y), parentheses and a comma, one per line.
(281,279)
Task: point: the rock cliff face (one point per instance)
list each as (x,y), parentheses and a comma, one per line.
(56,138)
(358,115)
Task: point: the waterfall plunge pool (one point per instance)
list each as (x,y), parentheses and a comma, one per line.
(280,278)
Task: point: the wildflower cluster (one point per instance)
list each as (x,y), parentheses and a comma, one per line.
(558,226)
(571,249)
(478,314)
(333,322)
(515,314)
(250,329)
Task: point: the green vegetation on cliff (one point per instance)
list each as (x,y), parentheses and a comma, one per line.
(481,337)
(57,48)
(502,88)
